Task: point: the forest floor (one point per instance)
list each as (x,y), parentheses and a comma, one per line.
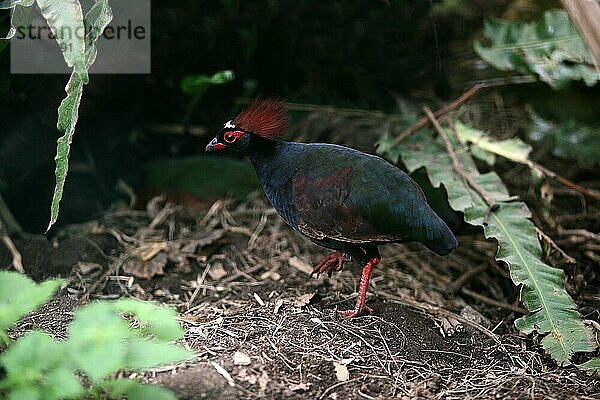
(263,328)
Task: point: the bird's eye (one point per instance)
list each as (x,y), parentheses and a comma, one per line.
(229,137)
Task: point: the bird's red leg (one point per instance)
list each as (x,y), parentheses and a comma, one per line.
(333,262)
(360,308)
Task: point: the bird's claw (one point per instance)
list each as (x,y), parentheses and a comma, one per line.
(333,262)
(357,312)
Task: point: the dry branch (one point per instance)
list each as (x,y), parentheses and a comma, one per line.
(466,96)
(17,261)
(492,205)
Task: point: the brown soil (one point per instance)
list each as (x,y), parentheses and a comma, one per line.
(263,328)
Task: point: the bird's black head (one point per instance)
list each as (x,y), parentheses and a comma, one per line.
(264,118)
(230,137)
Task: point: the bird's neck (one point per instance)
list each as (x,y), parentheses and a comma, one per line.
(262,151)
(271,160)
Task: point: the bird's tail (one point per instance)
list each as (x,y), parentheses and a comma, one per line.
(440,238)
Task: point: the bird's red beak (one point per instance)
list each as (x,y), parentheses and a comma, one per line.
(214,145)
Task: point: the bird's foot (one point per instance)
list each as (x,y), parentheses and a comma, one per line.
(357,312)
(334,262)
(361,308)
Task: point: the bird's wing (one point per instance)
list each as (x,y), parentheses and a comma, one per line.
(327,208)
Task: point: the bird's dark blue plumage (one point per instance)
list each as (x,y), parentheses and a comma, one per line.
(338,197)
(342,198)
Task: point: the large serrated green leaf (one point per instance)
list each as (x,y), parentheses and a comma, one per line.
(552,311)
(550,48)
(568,139)
(591,366)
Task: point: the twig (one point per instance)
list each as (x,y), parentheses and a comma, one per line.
(552,243)
(17,261)
(594,194)
(10,223)
(492,302)
(454,286)
(466,96)
(492,205)
(579,232)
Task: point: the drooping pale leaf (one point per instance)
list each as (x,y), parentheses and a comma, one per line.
(11,3)
(550,48)
(68,113)
(144,354)
(568,139)
(20,15)
(513,149)
(553,313)
(20,295)
(134,390)
(96,20)
(65,18)
(196,85)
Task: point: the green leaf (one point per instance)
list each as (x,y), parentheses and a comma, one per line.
(552,311)
(68,113)
(135,390)
(97,340)
(158,321)
(61,383)
(513,149)
(25,394)
(568,139)
(37,364)
(20,15)
(550,49)
(144,354)
(27,359)
(65,19)
(591,366)
(96,20)
(20,295)
(12,3)
(196,85)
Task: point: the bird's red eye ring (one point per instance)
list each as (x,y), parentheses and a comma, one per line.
(229,137)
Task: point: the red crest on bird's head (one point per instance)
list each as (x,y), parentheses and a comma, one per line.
(263,117)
